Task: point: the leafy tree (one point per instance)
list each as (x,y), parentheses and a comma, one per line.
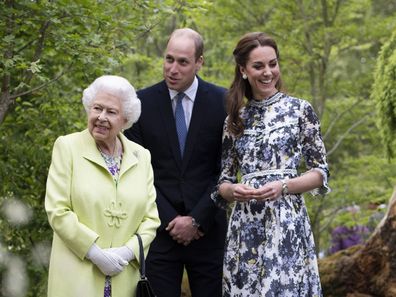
(328,50)
(50,52)
(142,64)
(384,93)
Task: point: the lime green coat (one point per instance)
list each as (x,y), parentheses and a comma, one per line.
(85,205)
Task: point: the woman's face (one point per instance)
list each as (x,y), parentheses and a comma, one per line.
(105,118)
(262,71)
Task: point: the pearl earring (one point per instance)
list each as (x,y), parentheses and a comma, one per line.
(244,76)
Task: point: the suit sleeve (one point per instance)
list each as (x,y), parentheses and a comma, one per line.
(204,212)
(150,221)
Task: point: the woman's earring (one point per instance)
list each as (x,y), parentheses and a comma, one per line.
(244,76)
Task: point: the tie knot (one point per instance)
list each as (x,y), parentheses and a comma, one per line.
(180,97)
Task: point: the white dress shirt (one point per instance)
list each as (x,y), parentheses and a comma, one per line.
(188,102)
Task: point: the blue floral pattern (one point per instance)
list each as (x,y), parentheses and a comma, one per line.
(270,249)
(113,164)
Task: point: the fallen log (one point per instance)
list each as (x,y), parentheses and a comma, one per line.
(367,270)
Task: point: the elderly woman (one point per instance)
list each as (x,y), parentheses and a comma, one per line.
(100,193)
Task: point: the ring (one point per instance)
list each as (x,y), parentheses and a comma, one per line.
(253,200)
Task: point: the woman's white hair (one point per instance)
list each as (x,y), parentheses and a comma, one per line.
(119,87)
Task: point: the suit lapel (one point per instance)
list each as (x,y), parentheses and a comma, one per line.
(196,119)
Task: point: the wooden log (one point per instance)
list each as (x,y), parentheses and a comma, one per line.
(367,270)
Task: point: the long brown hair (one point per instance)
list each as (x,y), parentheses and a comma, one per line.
(240,88)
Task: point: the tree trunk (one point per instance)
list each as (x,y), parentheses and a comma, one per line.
(4,104)
(367,270)
(5,100)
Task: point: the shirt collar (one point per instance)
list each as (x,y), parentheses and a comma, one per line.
(191,92)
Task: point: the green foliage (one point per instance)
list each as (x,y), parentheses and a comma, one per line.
(27,136)
(384,93)
(52,50)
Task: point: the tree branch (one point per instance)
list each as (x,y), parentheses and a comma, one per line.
(38,87)
(25,46)
(336,9)
(341,138)
(39,48)
(325,13)
(339,116)
(5,100)
(331,216)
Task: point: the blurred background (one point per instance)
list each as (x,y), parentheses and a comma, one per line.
(332,54)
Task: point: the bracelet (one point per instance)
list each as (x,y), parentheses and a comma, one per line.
(194,223)
(285,188)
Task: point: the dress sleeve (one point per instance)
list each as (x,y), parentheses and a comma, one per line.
(229,166)
(313,148)
(58,205)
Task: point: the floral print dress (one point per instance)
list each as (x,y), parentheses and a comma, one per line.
(270,248)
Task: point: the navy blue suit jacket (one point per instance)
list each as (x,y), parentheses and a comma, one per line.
(184,185)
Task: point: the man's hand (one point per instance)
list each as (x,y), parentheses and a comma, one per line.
(182,230)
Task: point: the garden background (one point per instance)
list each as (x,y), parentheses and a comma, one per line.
(332,54)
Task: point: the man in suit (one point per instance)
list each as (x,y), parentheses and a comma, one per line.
(186,161)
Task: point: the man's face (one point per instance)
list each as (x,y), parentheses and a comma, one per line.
(180,65)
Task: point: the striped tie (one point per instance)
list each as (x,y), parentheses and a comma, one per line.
(180,119)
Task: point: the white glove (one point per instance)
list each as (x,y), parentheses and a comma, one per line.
(108,262)
(124,252)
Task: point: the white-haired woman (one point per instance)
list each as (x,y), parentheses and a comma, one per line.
(100,193)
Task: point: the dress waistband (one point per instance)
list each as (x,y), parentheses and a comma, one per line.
(269,172)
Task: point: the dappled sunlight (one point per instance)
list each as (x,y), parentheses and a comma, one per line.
(15,280)
(338,55)
(16,212)
(41,254)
